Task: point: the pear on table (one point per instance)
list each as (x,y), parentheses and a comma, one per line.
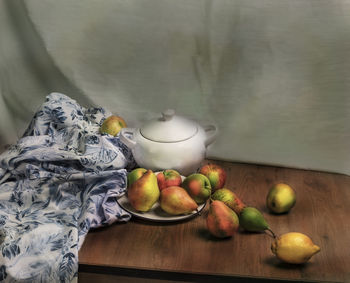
(229,198)
(222,221)
(281,198)
(251,219)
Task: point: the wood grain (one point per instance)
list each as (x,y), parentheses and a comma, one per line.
(186,250)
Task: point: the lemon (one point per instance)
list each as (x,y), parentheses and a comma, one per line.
(294,247)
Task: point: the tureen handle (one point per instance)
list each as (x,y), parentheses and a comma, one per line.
(210,131)
(126,137)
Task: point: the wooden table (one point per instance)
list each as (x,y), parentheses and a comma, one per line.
(140,251)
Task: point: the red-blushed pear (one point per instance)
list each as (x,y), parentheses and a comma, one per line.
(216,175)
(229,198)
(168,178)
(135,175)
(175,201)
(222,221)
(112,125)
(144,192)
(198,187)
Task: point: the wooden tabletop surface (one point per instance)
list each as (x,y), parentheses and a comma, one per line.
(186,251)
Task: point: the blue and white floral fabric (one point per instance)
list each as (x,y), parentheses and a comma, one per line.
(60,179)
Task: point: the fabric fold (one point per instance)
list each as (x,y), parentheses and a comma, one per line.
(61,179)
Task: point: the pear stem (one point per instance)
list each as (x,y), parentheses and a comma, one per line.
(273,234)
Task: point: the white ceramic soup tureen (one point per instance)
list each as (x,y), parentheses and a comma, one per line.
(169,142)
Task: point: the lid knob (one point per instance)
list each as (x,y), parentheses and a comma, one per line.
(168,114)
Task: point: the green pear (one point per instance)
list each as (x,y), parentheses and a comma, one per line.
(252,220)
(144,192)
(280,199)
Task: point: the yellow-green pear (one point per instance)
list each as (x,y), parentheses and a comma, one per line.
(112,125)
(281,198)
(134,175)
(144,192)
(175,201)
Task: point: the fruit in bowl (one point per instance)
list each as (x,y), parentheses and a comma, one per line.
(144,192)
(134,175)
(175,201)
(168,178)
(216,175)
(112,125)
(198,187)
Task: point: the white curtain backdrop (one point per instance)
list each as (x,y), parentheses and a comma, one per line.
(273,75)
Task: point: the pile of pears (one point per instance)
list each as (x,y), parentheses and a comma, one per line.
(227,212)
(231,206)
(143,193)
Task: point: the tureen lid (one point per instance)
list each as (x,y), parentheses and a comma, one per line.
(169,128)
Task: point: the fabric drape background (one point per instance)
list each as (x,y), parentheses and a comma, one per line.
(273,75)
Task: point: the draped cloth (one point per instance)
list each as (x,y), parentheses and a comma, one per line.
(58,181)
